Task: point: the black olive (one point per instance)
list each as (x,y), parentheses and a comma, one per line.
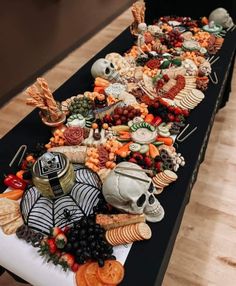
(90,230)
(104,243)
(75,232)
(105,256)
(76,244)
(82,232)
(68,247)
(91,237)
(87,254)
(93,244)
(91,221)
(100,262)
(100,236)
(73,238)
(101,230)
(83,243)
(78,252)
(83,222)
(80,260)
(95,254)
(97,226)
(110,249)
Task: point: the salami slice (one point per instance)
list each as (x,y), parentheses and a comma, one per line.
(74,135)
(103,156)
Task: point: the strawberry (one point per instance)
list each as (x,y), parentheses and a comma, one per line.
(52,245)
(171,108)
(185,113)
(56,257)
(158,166)
(166,77)
(177,119)
(148,162)
(75,267)
(61,240)
(66,229)
(48,246)
(137,156)
(177,111)
(171,117)
(156,121)
(54,231)
(132,160)
(66,260)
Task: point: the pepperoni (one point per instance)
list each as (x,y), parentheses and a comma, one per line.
(103,156)
(74,135)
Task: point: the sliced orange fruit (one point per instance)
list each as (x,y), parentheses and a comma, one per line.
(79,275)
(91,276)
(111,273)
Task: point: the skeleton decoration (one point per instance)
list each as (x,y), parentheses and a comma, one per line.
(49,161)
(221,17)
(121,65)
(132,191)
(142,28)
(105,69)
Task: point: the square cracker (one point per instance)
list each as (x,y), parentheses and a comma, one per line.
(11,227)
(4,219)
(8,206)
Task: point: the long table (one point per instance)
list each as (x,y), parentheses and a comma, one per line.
(147,261)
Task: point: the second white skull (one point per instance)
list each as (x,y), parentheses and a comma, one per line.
(104,69)
(221,17)
(132,195)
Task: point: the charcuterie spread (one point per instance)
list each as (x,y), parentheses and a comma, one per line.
(95,183)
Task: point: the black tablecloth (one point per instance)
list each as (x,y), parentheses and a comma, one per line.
(147,261)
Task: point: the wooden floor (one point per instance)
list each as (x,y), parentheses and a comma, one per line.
(205,249)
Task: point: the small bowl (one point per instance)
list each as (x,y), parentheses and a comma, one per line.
(55,123)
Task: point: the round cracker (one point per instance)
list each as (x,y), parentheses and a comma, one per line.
(144,230)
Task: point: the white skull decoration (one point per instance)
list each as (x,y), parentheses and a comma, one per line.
(221,17)
(104,69)
(132,195)
(142,27)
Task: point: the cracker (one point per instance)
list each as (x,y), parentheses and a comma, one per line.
(8,206)
(158,190)
(198,93)
(4,219)
(11,227)
(170,175)
(144,231)
(161,182)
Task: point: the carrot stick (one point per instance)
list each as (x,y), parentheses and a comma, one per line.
(166,140)
(12,195)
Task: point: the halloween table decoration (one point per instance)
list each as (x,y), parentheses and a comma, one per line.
(41,213)
(138,11)
(221,17)
(105,69)
(53,175)
(132,191)
(40,96)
